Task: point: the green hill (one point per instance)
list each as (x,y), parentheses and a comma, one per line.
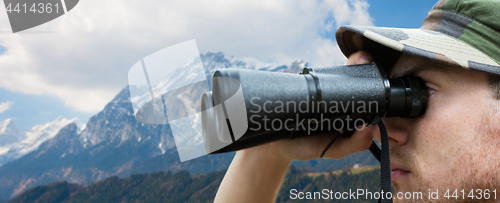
(337,181)
(184,187)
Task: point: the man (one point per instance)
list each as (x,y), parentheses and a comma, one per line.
(455,145)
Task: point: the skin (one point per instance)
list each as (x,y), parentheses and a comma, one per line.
(454,145)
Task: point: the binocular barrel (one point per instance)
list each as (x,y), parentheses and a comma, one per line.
(249,107)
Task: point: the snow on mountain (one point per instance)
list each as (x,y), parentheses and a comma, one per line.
(297,66)
(9,133)
(15,143)
(254,64)
(39,133)
(214,61)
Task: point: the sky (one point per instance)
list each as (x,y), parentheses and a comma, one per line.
(73,65)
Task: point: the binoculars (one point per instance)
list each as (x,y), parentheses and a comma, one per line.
(250,107)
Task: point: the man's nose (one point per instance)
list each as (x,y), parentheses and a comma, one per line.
(397,129)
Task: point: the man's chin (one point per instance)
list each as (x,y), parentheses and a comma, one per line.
(403,185)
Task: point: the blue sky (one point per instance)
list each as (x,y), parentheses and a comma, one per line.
(396,13)
(400,13)
(28,110)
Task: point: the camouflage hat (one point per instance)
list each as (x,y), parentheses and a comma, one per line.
(461,32)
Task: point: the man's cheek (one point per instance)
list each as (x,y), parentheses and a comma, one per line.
(431,143)
(428,133)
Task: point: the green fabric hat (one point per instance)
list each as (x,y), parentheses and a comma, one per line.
(460,32)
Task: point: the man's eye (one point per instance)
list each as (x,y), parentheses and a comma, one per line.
(431,88)
(430,91)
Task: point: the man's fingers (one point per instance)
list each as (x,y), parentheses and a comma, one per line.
(343,146)
(360,57)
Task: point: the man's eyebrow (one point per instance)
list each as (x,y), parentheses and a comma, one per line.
(424,67)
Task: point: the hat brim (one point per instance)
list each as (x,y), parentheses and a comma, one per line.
(419,42)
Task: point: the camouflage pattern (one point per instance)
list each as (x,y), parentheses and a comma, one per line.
(460,32)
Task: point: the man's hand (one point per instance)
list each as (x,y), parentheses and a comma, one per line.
(256,173)
(311,147)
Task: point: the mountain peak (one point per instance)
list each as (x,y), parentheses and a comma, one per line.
(213,61)
(66,139)
(5,123)
(9,133)
(54,125)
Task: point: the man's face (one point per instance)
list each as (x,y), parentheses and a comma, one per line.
(456,143)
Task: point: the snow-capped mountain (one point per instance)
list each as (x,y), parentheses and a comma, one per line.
(214,61)
(9,133)
(15,143)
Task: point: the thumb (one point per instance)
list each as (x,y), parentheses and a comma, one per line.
(343,146)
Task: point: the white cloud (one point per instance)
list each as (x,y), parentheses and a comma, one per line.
(4,106)
(353,12)
(85,61)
